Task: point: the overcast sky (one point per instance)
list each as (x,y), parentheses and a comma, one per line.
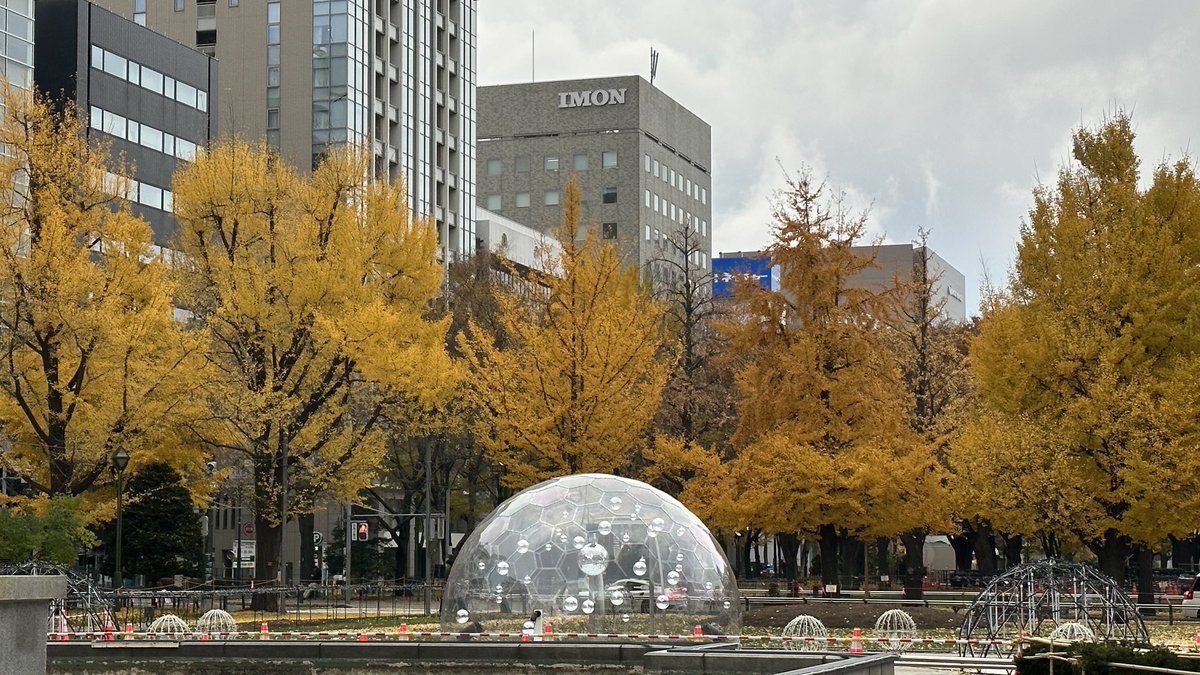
(938,114)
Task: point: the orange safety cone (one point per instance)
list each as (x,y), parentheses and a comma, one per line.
(128,630)
(264,632)
(108,629)
(697,631)
(403,632)
(362,637)
(1198,642)
(856,641)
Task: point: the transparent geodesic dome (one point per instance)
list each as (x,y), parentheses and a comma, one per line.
(595,553)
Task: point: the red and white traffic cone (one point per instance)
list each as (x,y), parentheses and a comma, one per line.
(698,631)
(856,641)
(109,629)
(128,631)
(264,633)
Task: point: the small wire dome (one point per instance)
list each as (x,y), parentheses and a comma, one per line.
(216,621)
(169,624)
(805,626)
(603,552)
(1072,632)
(1037,597)
(898,628)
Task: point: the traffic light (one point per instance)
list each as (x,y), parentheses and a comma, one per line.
(362,531)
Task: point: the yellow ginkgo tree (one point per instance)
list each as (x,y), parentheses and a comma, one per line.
(93,359)
(581,377)
(312,293)
(1086,365)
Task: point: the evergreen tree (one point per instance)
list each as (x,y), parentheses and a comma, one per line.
(161,534)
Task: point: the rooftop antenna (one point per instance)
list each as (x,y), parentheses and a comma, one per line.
(653,64)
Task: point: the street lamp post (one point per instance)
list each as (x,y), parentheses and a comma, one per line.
(120,461)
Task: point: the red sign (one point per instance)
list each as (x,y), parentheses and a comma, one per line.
(247,529)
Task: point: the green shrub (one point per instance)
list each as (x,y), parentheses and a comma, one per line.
(1094,659)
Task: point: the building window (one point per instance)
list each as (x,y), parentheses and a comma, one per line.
(610,195)
(522,200)
(609,159)
(581,162)
(703,195)
(672,212)
(647,199)
(493,202)
(647,233)
(647,163)
(234,3)
(178,5)
(522,164)
(552,198)
(689,187)
(656,168)
(139,12)
(654,199)
(493,167)
(608,230)
(551,164)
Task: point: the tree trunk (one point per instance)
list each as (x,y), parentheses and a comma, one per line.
(308,557)
(1013,546)
(829,554)
(883,560)
(850,560)
(1112,553)
(985,550)
(964,548)
(1145,578)
(789,550)
(914,564)
(266,555)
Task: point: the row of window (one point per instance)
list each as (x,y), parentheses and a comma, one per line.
(149,78)
(550,198)
(142,193)
(142,134)
(675,213)
(579,162)
(676,179)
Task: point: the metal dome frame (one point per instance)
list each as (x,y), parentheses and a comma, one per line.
(1051,591)
(87,608)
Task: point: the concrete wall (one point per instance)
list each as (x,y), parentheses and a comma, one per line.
(268,658)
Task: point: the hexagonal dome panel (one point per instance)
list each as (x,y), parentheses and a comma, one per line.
(592,553)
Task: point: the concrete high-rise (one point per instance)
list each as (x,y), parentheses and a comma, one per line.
(643,160)
(398,76)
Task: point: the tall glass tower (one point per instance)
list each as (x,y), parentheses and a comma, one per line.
(397,76)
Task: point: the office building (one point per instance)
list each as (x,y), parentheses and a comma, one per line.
(148,96)
(891,260)
(398,76)
(644,163)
